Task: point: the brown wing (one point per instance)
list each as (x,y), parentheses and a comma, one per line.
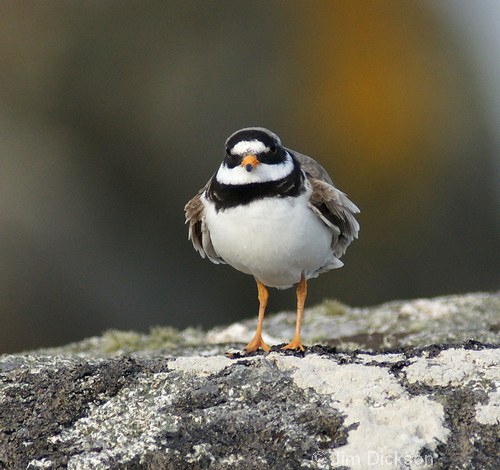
(311,166)
(330,204)
(198,231)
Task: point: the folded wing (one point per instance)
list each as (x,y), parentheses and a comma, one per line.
(198,231)
(330,204)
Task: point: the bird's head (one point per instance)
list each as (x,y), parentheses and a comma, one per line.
(254,155)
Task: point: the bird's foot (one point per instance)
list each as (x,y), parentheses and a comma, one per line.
(295,345)
(256,343)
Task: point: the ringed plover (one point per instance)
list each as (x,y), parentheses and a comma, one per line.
(273,213)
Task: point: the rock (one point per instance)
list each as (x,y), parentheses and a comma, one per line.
(172,399)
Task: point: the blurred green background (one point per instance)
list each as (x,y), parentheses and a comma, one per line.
(113,114)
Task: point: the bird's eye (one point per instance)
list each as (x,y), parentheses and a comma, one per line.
(228,151)
(274,149)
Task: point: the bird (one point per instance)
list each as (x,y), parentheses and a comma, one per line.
(275,214)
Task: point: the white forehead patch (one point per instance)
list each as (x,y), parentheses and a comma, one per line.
(249,146)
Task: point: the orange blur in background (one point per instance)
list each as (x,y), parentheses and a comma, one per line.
(113,115)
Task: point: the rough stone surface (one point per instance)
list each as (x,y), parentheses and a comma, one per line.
(416,323)
(173,400)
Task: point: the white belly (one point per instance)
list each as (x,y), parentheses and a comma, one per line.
(275,240)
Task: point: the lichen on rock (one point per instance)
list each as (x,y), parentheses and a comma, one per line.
(170,400)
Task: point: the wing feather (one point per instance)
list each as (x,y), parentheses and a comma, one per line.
(330,204)
(198,231)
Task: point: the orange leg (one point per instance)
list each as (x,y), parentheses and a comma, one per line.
(301,300)
(257,341)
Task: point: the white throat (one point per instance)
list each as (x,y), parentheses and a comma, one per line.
(260,174)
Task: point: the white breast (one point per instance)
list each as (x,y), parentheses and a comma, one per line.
(274,239)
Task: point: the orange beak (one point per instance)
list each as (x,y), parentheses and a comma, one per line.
(250,162)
